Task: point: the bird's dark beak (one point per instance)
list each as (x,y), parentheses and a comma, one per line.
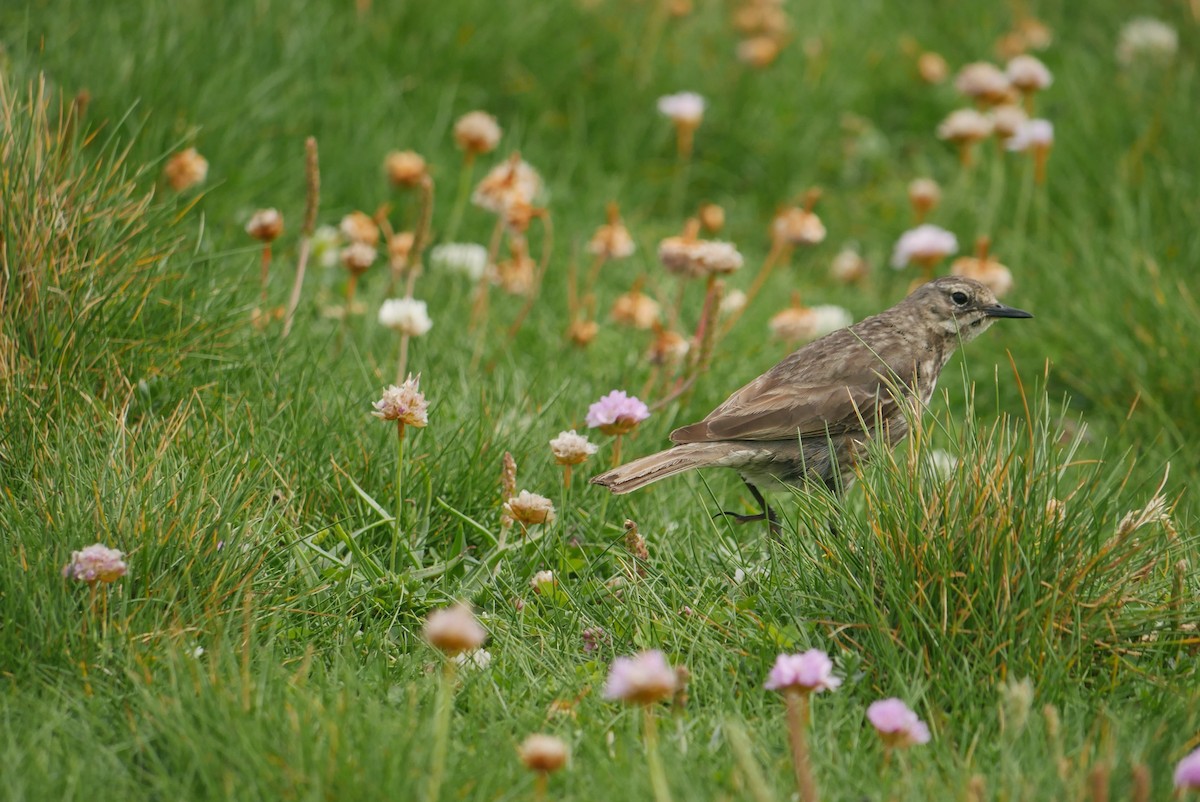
(1000,310)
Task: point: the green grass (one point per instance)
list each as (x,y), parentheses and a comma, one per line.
(140,407)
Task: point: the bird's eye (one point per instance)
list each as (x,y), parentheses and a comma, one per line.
(960,298)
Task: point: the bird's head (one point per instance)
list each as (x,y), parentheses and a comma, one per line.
(959,307)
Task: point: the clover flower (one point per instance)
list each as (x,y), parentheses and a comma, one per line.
(612,240)
(454,630)
(808,672)
(1007,119)
(477,659)
(406,316)
(96,563)
(571,448)
(896,724)
(358,256)
(542,581)
(963,128)
(404,404)
(617,413)
(642,679)
(1032,135)
(848,266)
(732,304)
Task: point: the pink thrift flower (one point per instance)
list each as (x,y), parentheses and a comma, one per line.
(1187,773)
(96,563)
(642,679)
(809,672)
(896,724)
(617,413)
(926,245)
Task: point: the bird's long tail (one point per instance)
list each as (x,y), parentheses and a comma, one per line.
(641,472)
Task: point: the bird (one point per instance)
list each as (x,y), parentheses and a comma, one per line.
(808,419)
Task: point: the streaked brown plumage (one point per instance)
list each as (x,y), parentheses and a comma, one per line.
(807,418)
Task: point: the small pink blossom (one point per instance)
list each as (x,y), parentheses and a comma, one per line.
(1032,135)
(405,404)
(926,245)
(809,672)
(96,563)
(896,724)
(1187,773)
(642,679)
(617,413)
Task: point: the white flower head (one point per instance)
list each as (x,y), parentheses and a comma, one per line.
(683,108)
(1032,135)
(1028,73)
(326,245)
(571,448)
(406,316)
(925,244)
(465,258)
(1147,40)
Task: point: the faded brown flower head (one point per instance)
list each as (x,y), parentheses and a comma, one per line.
(965,127)
(360,227)
(758,51)
(796,226)
(984,269)
(265,225)
(1007,118)
(404,404)
(357,257)
(668,348)
(799,323)
(454,630)
(399,248)
(1038,35)
(405,168)
(530,509)
(571,448)
(932,68)
(477,132)
(1028,73)
(543,753)
(636,309)
(712,217)
(848,267)
(984,83)
(612,240)
(924,194)
(689,257)
(581,332)
(760,17)
(518,274)
(186,169)
(512,181)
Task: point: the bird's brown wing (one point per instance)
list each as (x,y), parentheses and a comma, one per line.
(836,387)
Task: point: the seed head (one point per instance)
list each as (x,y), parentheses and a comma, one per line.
(477,132)
(454,630)
(984,269)
(265,225)
(360,227)
(405,168)
(924,194)
(571,448)
(732,303)
(326,245)
(1033,135)
(399,248)
(896,724)
(186,169)
(643,679)
(668,348)
(543,753)
(530,509)
(405,316)
(581,332)
(1007,119)
(96,563)
(405,404)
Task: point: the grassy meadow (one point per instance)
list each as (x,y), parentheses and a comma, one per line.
(266,641)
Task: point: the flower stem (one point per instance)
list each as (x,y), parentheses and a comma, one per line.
(539,787)
(441,731)
(460,200)
(658,777)
(398,534)
(264,275)
(616,451)
(797,718)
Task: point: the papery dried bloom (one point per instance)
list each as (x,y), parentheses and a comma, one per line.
(636,309)
(1028,73)
(995,276)
(405,404)
(399,248)
(477,132)
(477,659)
(582,332)
(453,630)
(964,126)
(675,253)
(801,324)
(542,581)
(406,316)
(932,68)
(1147,40)
(642,679)
(716,257)
(926,245)
(265,225)
(712,217)
(465,258)
(809,672)
(96,563)
(758,51)
(612,240)
(1187,772)
(360,227)
(1036,33)
(543,753)
(326,246)
(1010,45)
(983,82)
(358,256)
(186,169)
(530,509)
(511,181)
(1007,119)
(517,275)
(405,168)
(668,348)
(732,303)
(684,108)
(797,226)
(571,448)
(896,724)
(617,413)
(1032,135)
(595,638)
(924,194)
(848,267)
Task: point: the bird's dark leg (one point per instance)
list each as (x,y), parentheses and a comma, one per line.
(767,513)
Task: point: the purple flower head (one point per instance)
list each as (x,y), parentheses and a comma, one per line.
(96,563)
(643,679)
(896,724)
(809,672)
(617,413)
(1187,773)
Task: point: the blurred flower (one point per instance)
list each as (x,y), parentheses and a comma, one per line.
(265,225)
(582,332)
(810,672)
(797,226)
(712,217)
(326,245)
(1007,118)
(96,563)
(984,269)
(1028,74)
(943,463)
(406,316)
(932,68)
(758,51)
(926,245)
(543,753)
(732,303)
(399,247)
(689,257)
(360,227)
(642,679)
(571,448)
(924,194)
(896,724)
(684,108)
(595,638)
(454,630)
(464,258)
(478,659)
(358,256)
(617,413)
(848,267)
(186,169)
(1187,772)
(1032,135)
(405,168)
(530,509)
(1147,40)
(636,309)
(512,181)
(542,580)
(1036,33)
(800,323)
(983,82)
(668,347)
(964,126)
(612,241)
(405,404)
(477,132)
(517,275)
